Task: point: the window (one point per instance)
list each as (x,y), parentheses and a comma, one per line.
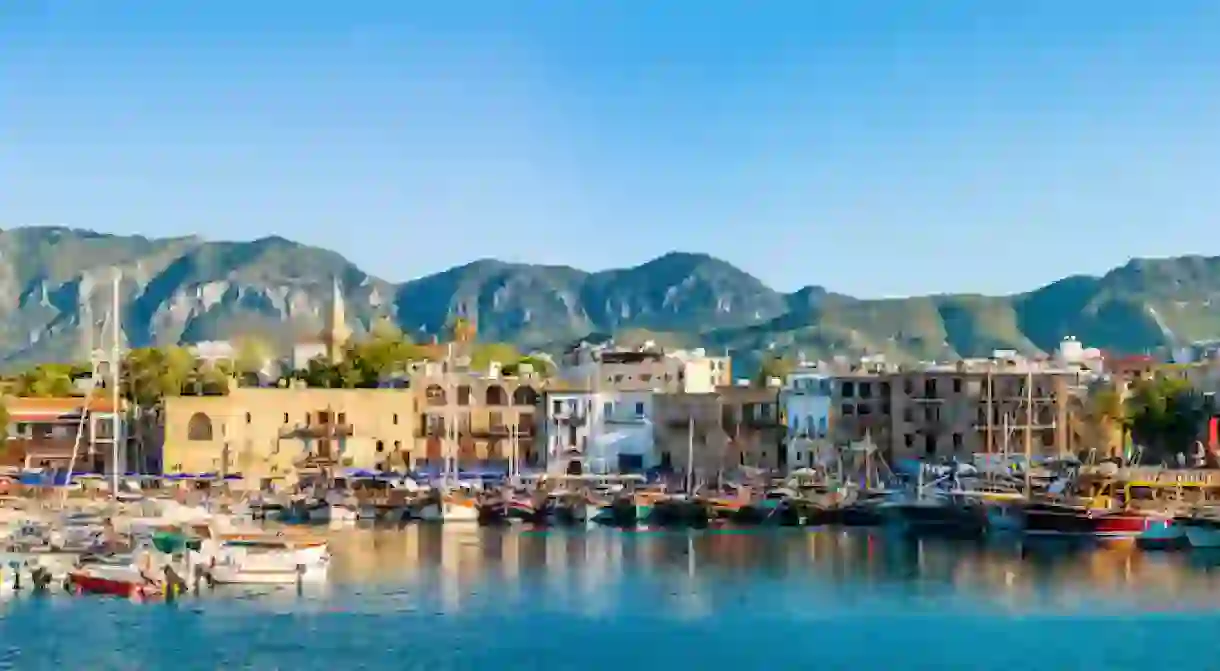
(199,427)
(285,418)
(929,388)
(639,409)
(848,409)
(557,407)
(395,419)
(848,389)
(908,387)
(885,408)
(908,415)
(909,440)
(397,445)
(646,377)
(607,409)
(957,441)
(380,446)
(864,409)
(866,390)
(957,385)
(798,457)
(885,389)
(929,445)
(248,418)
(822,428)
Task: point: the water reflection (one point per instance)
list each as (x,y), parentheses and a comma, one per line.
(697,573)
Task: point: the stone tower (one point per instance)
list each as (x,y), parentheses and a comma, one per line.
(335,333)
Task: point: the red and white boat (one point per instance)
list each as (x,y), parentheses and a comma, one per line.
(1082,521)
(114,580)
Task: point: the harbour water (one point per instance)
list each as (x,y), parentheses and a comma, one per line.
(432,597)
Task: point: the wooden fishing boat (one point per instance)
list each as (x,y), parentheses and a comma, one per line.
(114,580)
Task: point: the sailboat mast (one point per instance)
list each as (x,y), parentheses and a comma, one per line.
(990,465)
(690,454)
(1029,429)
(116,426)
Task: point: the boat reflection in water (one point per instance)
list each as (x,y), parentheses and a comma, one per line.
(696,573)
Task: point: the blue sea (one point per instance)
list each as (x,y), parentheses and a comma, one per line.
(432,597)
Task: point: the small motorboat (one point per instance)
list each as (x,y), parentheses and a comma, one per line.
(114,580)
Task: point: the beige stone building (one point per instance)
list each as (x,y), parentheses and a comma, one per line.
(481,418)
(647,368)
(270,434)
(733,427)
(943,411)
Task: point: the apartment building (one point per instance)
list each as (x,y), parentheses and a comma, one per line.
(46,432)
(806,400)
(734,427)
(598,431)
(483,421)
(956,410)
(645,368)
(272,435)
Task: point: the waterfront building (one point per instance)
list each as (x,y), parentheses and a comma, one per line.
(481,420)
(735,427)
(959,409)
(806,403)
(603,431)
(645,368)
(43,432)
(271,435)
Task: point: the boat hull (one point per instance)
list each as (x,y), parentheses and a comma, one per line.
(449,513)
(87,582)
(1201,534)
(935,519)
(1063,521)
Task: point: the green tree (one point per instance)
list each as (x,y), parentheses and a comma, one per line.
(541,366)
(1105,420)
(483,354)
(1165,416)
(251,355)
(46,381)
(772,367)
(152,373)
(4,421)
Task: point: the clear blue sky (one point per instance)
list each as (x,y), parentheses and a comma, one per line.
(879,148)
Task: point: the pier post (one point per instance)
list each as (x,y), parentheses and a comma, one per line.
(300,579)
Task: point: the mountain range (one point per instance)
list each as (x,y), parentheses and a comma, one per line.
(54,281)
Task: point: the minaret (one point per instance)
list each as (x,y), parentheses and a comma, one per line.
(336,333)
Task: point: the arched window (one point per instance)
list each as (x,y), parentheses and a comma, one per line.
(496,395)
(199,427)
(525,395)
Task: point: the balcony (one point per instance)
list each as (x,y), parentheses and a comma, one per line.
(761,422)
(571,418)
(491,431)
(626,419)
(317,431)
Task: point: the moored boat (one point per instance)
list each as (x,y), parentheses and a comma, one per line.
(114,580)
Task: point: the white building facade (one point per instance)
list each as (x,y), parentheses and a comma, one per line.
(598,432)
(807,402)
